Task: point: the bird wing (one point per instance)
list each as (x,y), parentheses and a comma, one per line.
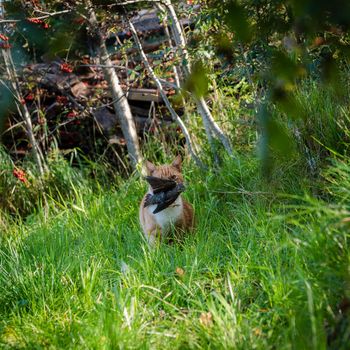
(148,200)
(151,199)
(169,198)
(160,185)
(165,204)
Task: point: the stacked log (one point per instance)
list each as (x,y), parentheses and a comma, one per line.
(73,97)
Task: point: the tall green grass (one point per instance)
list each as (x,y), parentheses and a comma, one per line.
(265,269)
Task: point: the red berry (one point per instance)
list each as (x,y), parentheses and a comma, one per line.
(72,114)
(20,175)
(65,67)
(35,20)
(30,97)
(4,37)
(61,99)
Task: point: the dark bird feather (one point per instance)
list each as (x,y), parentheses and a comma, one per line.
(165,193)
(160,185)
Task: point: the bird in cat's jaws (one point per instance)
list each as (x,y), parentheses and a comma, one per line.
(165,193)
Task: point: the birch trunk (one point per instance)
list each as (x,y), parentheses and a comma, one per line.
(120,102)
(176,70)
(174,115)
(202,107)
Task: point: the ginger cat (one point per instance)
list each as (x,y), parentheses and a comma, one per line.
(180,214)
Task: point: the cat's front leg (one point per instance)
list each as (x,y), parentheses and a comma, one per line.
(153,236)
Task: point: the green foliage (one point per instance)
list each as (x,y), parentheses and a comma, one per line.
(236,18)
(278,46)
(197,81)
(25,197)
(6,105)
(263,270)
(267,267)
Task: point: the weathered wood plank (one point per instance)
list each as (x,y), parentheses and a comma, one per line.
(148,95)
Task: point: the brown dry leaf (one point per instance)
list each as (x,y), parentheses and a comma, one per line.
(206,319)
(257,332)
(179,271)
(80,90)
(263,310)
(345,220)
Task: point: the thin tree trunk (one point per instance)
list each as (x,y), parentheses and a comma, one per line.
(21,106)
(120,102)
(208,118)
(174,115)
(176,69)
(202,106)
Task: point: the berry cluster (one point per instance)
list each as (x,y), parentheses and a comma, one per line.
(20,175)
(61,100)
(39,21)
(4,44)
(65,67)
(72,114)
(30,97)
(3,37)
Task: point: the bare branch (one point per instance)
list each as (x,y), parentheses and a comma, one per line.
(50,14)
(132,2)
(176,70)
(45,15)
(4,21)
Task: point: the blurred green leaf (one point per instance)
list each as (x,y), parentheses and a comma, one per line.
(197,82)
(224,45)
(284,67)
(236,17)
(287,102)
(7,104)
(274,140)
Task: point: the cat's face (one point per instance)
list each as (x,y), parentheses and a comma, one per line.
(168,171)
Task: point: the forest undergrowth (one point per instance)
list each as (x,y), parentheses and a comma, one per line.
(267,266)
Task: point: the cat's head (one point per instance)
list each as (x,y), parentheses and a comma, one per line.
(167,171)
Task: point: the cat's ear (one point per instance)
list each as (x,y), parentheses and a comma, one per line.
(177,162)
(150,167)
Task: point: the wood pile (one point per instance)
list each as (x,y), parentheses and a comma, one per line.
(74,97)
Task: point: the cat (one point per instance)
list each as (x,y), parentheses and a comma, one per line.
(179,215)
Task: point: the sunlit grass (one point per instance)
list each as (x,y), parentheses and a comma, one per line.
(263,270)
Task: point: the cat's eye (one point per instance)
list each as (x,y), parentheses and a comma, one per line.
(173,177)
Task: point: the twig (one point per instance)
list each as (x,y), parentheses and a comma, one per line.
(3,21)
(46,15)
(113,101)
(242,192)
(172,49)
(132,2)
(13,127)
(50,14)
